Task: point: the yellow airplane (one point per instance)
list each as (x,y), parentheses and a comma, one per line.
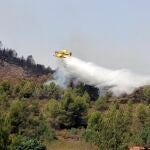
(62,53)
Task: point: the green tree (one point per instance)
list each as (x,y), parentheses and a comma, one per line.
(1,90)
(27,120)
(4,131)
(94,129)
(18,116)
(24,89)
(39,92)
(116,135)
(70,112)
(142,114)
(4,101)
(52,91)
(52,112)
(109,132)
(86,97)
(95,121)
(142,135)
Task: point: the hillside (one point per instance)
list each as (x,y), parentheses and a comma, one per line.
(34,115)
(69,119)
(13,68)
(14,74)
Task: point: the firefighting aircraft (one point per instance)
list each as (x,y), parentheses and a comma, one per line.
(62,53)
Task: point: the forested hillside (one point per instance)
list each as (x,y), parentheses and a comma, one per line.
(9,56)
(48,117)
(14,68)
(38,116)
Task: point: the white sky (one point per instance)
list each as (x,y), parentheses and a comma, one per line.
(113,34)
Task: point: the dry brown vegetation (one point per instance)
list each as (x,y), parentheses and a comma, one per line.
(15,74)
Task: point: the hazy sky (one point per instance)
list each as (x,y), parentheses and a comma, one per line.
(111,33)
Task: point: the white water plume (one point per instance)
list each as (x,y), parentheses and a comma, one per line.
(117,81)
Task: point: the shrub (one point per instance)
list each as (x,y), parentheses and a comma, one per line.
(30,144)
(7,87)
(4,131)
(4,101)
(24,89)
(147,93)
(1,90)
(73,131)
(101,103)
(90,136)
(52,91)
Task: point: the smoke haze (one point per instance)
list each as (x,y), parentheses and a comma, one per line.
(117,81)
